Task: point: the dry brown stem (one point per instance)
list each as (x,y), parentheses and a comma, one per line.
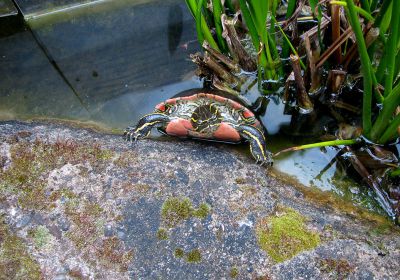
(233,66)
(335,20)
(314,73)
(334,46)
(303,99)
(220,71)
(235,46)
(335,80)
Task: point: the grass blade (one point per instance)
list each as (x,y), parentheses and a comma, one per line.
(391,132)
(389,106)
(217,12)
(391,48)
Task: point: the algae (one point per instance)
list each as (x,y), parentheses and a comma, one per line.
(284,235)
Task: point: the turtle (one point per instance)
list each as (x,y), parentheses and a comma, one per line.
(205,116)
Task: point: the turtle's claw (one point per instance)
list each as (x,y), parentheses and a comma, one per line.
(130,134)
(267,161)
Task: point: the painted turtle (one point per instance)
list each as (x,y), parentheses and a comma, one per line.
(205,116)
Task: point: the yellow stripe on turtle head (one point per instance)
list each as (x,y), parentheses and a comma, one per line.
(259,144)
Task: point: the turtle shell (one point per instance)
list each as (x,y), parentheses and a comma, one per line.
(206,116)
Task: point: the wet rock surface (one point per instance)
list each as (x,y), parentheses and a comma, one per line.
(77,204)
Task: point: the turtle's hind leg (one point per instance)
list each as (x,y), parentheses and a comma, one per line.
(257,143)
(144,126)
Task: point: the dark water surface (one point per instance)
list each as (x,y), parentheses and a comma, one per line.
(110,62)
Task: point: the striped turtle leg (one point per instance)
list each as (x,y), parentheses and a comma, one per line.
(257,143)
(144,126)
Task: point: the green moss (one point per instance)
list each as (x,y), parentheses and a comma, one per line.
(15,261)
(285,235)
(234,272)
(162,234)
(179,253)
(178,209)
(32,162)
(41,236)
(175,210)
(193,256)
(202,212)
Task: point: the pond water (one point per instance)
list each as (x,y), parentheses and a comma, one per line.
(110,62)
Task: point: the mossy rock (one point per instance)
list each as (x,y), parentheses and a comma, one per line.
(15,261)
(178,209)
(175,210)
(193,256)
(285,235)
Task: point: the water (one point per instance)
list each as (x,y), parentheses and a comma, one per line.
(110,62)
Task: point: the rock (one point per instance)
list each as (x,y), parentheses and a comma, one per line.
(104,204)
(23,221)
(108,231)
(64,224)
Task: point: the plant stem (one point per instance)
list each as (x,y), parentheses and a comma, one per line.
(319,144)
(217,12)
(291,47)
(391,47)
(365,68)
(391,131)
(388,108)
(203,32)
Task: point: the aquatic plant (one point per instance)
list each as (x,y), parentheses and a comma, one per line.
(363,38)
(219,17)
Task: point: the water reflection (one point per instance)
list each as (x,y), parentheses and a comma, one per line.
(106,51)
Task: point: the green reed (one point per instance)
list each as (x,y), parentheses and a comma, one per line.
(384,128)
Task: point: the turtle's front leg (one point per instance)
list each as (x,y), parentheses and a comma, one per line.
(257,143)
(144,126)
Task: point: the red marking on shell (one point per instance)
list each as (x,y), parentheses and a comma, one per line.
(219,98)
(191,97)
(171,101)
(161,107)
(201,95)
(178,127)
(247,114)
(226,132)
(235,105)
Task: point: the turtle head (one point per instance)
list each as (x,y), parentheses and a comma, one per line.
(261,155)
(144,126)
(257,144)
(133,133)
